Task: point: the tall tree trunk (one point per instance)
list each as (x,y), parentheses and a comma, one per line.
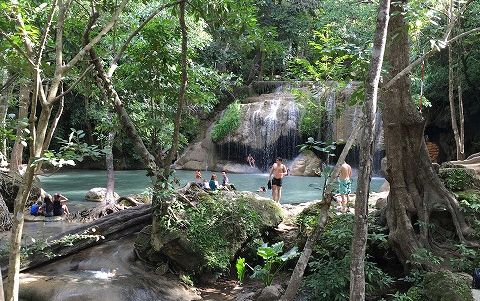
(451,97)
(360,230)
(17,150)
(109,196)
(416,192)
(461,118)
(181,94)
(297,274)
(3,114)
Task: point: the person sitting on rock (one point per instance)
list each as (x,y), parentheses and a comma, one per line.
(213,184)
(48,206)
(198,177)
(206,186)
(226,182)
(35,209)
(59,206)
(251,160)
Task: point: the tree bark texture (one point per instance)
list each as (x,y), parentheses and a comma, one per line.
(451,100)
(416,192)
(17,150)
(109,197)
(360,230)
(3,114)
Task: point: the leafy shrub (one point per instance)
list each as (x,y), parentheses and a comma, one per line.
(228,123)
(330,278)
(470,201)
(457,179)
(215,224)
(273,261)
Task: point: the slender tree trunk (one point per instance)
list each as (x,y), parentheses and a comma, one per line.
(297,274)
(181,95)
(17,150)
(360,230)
(2,296)
(461,119)
(16,236)
(416,193)
(451,97)
(262,65)
(109,197)
(3,115)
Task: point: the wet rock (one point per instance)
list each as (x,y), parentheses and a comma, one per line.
(271,293)
(10,183)
(97,194)
(306,164)
(381,203)
(447,286)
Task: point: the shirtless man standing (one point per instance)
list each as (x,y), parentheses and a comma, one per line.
(345,186)
(279,171)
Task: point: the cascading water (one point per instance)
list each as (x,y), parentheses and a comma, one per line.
(269,128)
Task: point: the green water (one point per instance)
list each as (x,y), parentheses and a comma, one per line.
(74,184)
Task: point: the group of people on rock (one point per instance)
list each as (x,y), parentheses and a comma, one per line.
(48,206)
(213,184)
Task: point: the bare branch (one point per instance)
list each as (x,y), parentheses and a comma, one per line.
(96,39)
(75,83)
(46,30)
(113,64)
(48,138)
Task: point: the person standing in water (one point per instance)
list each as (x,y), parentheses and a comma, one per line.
(279,170)
(345,187)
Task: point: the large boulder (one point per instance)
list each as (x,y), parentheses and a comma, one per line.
(204,236)
(10,183)
(98,194)
(446,286)
(306,164)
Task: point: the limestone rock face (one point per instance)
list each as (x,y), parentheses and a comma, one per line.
(268,128)
(306,164)
(97,194)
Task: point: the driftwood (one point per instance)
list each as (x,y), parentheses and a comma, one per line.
(112,226)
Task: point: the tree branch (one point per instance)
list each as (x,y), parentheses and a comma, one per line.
(97,38)
(46,30)
(114,62)
(75,83)
(417,62)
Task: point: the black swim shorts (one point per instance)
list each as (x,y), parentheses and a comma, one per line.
(277,182)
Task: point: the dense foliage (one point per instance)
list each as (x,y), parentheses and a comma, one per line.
(330,268)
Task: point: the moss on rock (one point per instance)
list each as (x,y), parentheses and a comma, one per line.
(446,286)
(457,179)
(206,237)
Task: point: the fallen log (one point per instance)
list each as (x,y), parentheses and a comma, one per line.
(112,226)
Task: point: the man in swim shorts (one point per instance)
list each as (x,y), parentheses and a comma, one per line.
(279,170)
(345,187)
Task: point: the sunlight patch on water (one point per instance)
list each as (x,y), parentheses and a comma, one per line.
(105,274)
